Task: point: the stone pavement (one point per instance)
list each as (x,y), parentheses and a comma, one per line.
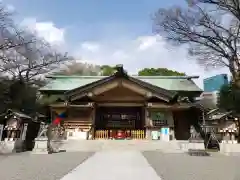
(118,164)
(114,165)
(26,166)
(184,167)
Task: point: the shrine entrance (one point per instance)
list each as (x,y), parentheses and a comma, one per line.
(119,123)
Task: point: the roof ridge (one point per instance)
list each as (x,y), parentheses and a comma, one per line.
(139,77)
(73,76)
(167,77)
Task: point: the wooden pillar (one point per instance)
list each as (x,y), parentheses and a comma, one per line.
(147,123)
(146,115)
(8,134)
(24,132)
(51,116)
(13,135)
(93,116)
(143,115)
(1,131)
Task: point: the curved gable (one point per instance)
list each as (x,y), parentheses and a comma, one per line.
(121,79)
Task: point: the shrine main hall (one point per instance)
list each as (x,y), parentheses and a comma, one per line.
(121,106)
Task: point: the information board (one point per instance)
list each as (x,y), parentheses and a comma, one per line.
(165,134)
(165,131)
(154,135)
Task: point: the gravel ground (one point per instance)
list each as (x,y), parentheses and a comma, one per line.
(185,167)
(26,166)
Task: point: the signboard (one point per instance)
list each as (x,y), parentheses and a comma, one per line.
(165,134)
(165,131)
(162,130)
(154,135)
(157,115)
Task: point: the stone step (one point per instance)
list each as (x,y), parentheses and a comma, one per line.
(97,145)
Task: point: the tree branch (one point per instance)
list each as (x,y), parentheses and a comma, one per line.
(209,40)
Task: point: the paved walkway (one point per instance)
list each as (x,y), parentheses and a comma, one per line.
(114,165)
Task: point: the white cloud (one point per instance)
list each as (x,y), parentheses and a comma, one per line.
(147,42)
(90,46)
(10,8)
(134,54)
(46,30)
(144,51)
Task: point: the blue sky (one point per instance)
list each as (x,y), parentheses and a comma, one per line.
(91,19)
(106,32)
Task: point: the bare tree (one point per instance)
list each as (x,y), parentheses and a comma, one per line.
(210,28)
(24,55)
(29,61)
(228,6)
(78,68)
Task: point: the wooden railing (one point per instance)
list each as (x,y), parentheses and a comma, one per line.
(129,134)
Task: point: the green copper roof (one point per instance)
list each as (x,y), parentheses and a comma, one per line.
(173,83)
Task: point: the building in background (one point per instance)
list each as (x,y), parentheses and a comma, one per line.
(212,86)
(215,83)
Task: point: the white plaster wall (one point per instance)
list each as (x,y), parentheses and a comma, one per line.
(76,134)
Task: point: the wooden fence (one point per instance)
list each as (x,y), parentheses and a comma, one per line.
(107,134)
(138,134)
(101,134)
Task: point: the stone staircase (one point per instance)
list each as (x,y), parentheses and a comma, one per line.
(104,145)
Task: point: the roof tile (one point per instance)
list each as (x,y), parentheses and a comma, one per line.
(65,83)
